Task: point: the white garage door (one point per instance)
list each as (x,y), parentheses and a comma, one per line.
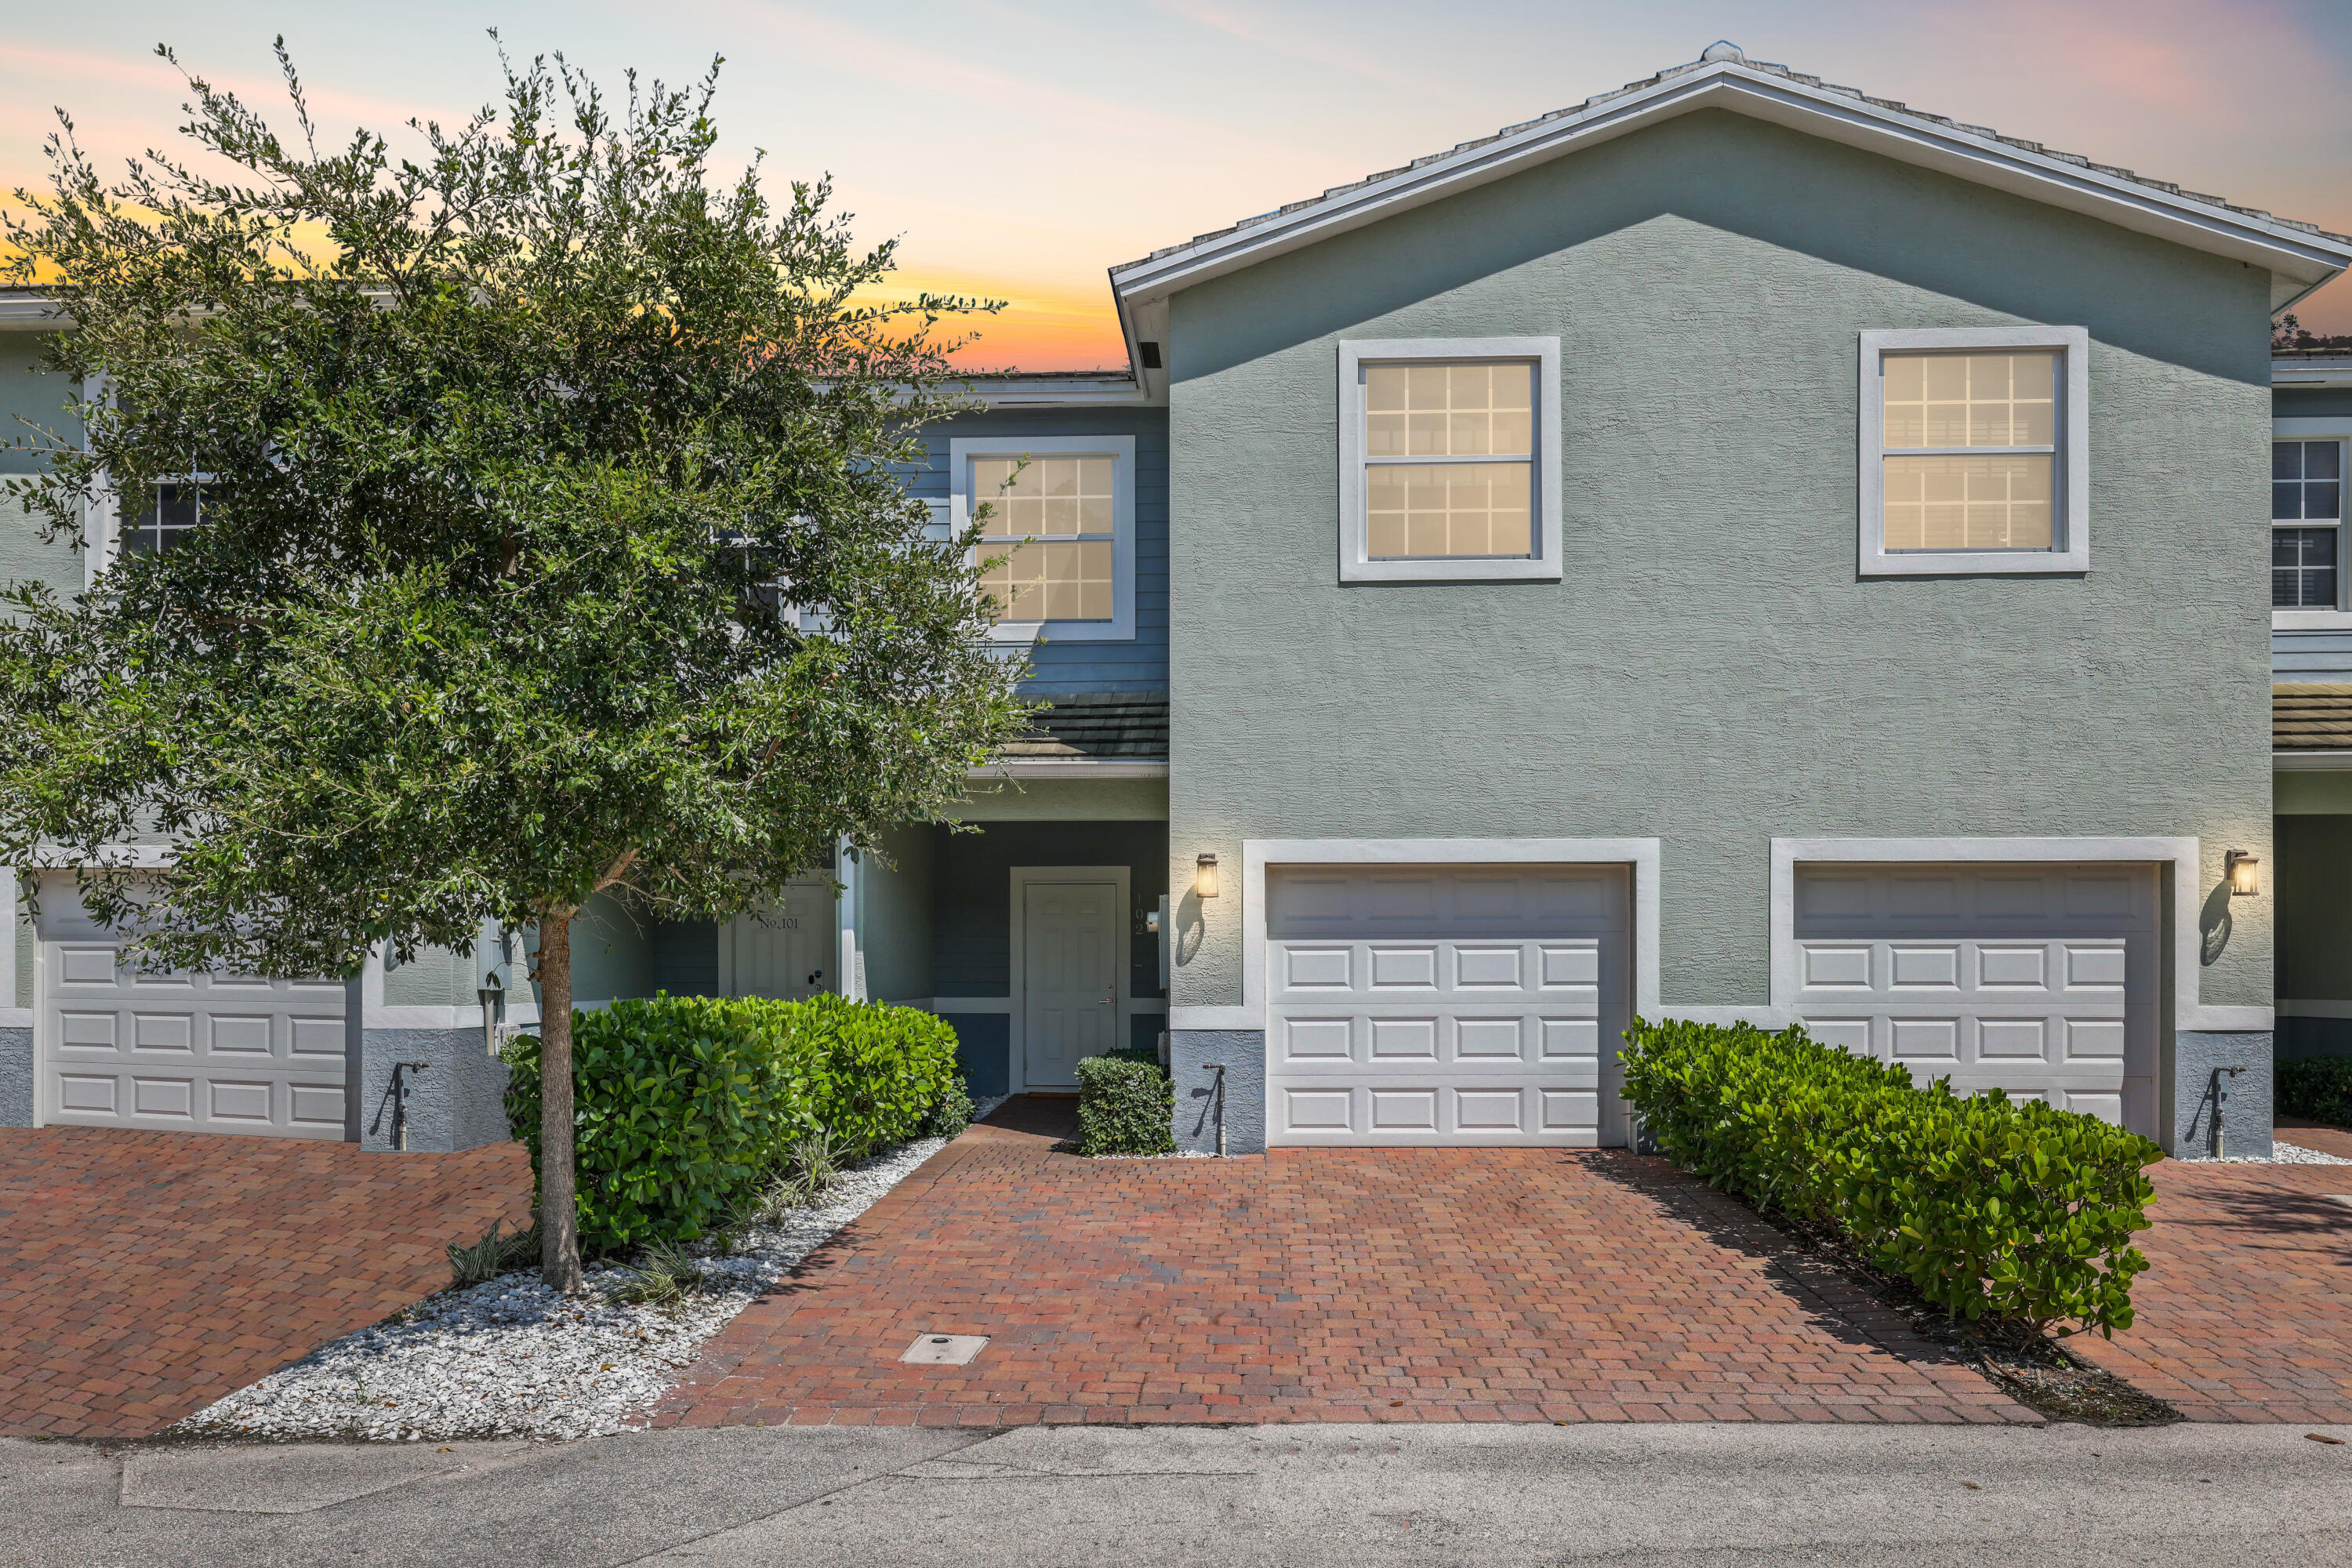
(190,1053)
(2039,980)
(1445,1005)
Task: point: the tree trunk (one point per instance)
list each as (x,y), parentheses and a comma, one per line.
(559,1205)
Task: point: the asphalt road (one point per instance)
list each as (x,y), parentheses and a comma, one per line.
(1359,1496)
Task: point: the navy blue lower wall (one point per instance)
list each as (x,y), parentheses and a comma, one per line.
(2300,1038)
(971,897)
(984,1051)
(686,958)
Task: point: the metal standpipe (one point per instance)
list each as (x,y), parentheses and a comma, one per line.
(1218,1104)
(2219,1096)
(397,1091)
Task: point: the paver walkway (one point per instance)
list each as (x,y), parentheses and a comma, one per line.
(144,1274)
(1323,1284)
(2246,1312)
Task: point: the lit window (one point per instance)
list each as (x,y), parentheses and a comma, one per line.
(1060,513)
(1972,451)
(1060,529)
(1449,459)
(1449,453)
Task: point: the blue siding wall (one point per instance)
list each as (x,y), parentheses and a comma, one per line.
(984,1051)
(1140,664)
(2310,402)
(971,897)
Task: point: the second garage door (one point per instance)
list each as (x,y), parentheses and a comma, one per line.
(2038,980)
(1445,1005)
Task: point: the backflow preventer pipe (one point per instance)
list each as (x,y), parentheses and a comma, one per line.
(2220,1094)
(1219,1068)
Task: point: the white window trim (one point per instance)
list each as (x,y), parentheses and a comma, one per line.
(1017,1005)
(101,526)
(2319,428)
(2182,857)
(1641,855)
(2070,517)
(1355,565)
(1120,628)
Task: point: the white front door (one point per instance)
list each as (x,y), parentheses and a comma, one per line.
(790,953)
(1444,1005)
(1070,940)
(2041,980)
(189,1053)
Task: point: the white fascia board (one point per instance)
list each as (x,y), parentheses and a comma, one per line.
(1047,769)
(1110,390)
(2181,855)
(23,313)
(2298,261)
(2311,762)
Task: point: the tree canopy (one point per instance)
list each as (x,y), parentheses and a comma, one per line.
(549,535)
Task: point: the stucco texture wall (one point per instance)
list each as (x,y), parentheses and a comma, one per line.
(1711,670)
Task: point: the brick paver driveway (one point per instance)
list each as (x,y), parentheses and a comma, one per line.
(1316,1285)
(144,1274)
(2245,1313)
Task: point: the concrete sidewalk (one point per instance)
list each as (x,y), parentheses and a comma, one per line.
(1358,1496)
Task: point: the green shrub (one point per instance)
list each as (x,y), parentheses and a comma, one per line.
(952,1114)
(2317,1089)
(685,1106)
(1989,1206)
(680,1106)
(1127,1104)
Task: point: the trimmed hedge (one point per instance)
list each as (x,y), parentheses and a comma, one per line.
(2317,1089)
(1127,1104)
(1991,1207)
(684,1105)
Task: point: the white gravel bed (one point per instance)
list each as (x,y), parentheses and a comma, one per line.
(2285,1153)
(513,1358)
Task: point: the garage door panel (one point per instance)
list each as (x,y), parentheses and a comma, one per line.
(1911,966)
(1319,968)
(1388,967)
(2039,981)
(1473,1004)
(1835,966)
(192,1052)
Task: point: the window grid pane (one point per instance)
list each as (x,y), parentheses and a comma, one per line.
(1968,503)
(1054,523)
(1947,400)
(172,510)
(1449,410)
(2303,569)
(1438,510)
(2306,481)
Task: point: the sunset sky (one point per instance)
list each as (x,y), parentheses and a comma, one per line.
(1022,148)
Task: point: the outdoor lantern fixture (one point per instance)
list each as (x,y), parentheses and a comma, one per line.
(1204,876)
(2245,872)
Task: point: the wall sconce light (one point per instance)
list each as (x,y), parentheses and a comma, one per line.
(2245,873)
(1204,876)
(491,992)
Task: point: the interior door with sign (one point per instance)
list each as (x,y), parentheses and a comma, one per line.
(1070,938)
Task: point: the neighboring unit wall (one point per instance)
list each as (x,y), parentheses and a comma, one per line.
(1711,670)
(2314,878)
(1070,666)
(31,396)
(894,917)
(971,930)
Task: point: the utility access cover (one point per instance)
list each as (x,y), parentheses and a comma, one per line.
(944,1350)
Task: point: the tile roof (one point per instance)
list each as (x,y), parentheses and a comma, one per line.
(1095,726)
(1721,52)
(2315,717)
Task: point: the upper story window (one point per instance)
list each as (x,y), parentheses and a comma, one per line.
(174,507)
(1062,518)
(1449,459)
(1973,451)
(2306,524)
